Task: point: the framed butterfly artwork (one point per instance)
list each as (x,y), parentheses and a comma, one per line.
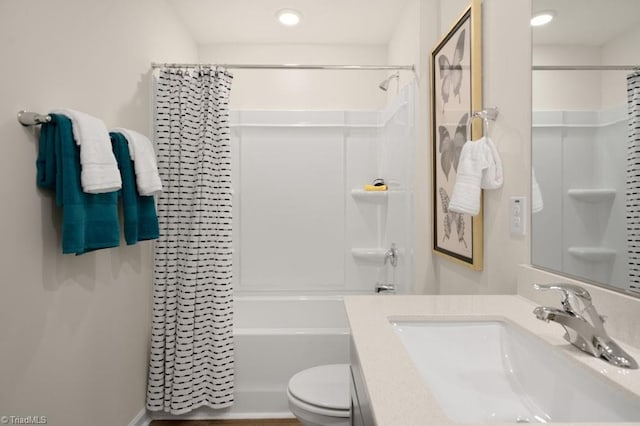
(456,92)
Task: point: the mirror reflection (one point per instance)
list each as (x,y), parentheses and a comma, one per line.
(586,141)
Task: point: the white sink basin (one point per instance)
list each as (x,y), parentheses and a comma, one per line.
(495,371)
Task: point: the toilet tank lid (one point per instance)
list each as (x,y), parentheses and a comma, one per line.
(327,386)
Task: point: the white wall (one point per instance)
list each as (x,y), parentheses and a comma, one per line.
(566,90)
(74,330)
(622,50)
(584,90)
(302,89)
(404,45)
(506,84)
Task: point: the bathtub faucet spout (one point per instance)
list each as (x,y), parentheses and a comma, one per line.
(385,288)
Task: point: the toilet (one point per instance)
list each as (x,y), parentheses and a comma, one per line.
(321,396)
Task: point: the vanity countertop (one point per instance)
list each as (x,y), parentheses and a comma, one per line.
(396,391)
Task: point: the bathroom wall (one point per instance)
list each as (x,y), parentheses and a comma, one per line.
(73,330)
(302,89)
(623,50)
(404,45)
(506,85)
(565,90)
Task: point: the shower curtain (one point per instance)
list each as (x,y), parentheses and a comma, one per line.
(191,362)
(633,178)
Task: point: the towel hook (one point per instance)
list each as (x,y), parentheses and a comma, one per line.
(28,118)
(487,114)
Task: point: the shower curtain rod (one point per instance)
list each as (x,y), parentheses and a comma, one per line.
(289,66)
(585,67)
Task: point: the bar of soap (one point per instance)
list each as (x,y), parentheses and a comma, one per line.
(375,188)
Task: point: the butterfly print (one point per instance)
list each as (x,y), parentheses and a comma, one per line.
(451,218)
(451,71)
(450,148)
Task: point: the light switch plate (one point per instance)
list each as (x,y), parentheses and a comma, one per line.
(518,215)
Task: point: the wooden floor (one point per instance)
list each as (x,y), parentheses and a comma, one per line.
(249,422)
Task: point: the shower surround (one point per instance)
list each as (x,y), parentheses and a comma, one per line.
(301,219)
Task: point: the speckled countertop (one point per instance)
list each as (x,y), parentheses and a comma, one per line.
(397,393)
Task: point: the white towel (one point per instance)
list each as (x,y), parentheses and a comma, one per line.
(492,177)
(99,167)
(480,167)
(537,203)
(144,162)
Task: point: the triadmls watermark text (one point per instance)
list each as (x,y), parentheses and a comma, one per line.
(23,420)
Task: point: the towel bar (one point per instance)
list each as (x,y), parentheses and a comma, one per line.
(28,118)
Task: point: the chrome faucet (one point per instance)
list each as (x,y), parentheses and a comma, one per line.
(385,288)
(392,255)
(583,325)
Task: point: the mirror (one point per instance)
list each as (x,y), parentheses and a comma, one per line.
(583,219)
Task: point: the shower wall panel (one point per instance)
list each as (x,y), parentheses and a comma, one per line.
(297,220)
(580,151)
(292,208)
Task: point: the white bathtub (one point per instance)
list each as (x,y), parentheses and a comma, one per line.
(275,337)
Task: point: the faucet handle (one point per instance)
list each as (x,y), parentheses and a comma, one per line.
(566,289)
(392,255)
(571,293)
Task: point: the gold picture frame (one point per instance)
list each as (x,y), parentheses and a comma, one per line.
(456,92)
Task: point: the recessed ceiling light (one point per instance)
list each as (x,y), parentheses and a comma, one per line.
(288,17)
(542,18)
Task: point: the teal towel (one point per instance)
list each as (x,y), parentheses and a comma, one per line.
(89,221)
(140,218)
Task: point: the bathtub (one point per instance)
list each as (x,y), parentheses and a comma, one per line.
(274,338)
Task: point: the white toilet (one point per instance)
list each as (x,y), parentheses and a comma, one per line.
(321,396)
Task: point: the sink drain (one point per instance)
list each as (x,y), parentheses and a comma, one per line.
(522,420)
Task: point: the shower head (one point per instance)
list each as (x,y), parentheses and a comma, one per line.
(385,83)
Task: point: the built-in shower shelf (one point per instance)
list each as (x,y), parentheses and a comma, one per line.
(593,254)
(369,255)
(593,195)
(373,196)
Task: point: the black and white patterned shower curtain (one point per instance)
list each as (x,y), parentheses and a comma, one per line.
(191,363)
(633,178)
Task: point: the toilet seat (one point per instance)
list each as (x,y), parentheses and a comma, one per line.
(323,390)
(329,412)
